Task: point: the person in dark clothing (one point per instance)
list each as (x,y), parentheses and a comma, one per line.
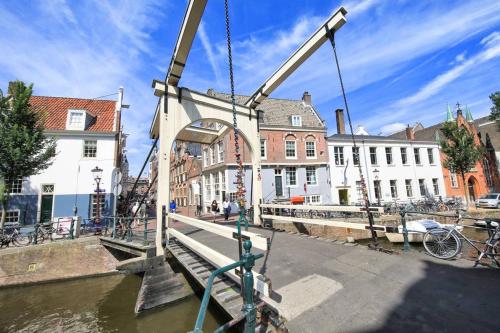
(226,205)
(215,209)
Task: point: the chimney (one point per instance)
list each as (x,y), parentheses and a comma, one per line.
(410,135)
(339,117)
(306,97)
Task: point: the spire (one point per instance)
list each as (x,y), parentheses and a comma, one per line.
(449,115)
(468,115)
(437,137)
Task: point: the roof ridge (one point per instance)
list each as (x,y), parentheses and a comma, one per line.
(84,99)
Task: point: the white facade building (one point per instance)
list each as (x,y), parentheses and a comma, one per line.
(88,134)
(393,169)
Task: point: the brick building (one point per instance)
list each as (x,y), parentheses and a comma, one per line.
(294,154)
(482,179)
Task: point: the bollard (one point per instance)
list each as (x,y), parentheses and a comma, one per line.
(114,227)
(72,229)
(145,242)
(406,244)
(35,236)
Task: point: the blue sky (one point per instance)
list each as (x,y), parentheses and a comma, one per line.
(402,61)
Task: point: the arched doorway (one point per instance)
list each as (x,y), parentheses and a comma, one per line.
(472,188)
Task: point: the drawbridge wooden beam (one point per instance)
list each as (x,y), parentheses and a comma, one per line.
(334,22)
(190,24)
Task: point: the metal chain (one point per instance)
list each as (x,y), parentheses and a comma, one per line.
(240,194)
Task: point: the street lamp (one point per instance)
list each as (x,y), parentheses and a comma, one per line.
(97,174)
(376,173)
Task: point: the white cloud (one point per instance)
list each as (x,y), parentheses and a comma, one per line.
(391,128)
(207,45)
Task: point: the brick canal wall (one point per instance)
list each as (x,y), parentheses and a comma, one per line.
(58,260)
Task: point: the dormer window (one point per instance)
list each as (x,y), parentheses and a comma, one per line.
(296,121)
(76,120)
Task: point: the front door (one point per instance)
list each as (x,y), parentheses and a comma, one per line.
(278,181)
(46,209)
(343,197)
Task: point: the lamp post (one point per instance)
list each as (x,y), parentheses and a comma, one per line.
(376,172)
(97,174)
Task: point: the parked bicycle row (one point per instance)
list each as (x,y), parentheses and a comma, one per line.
(69,228)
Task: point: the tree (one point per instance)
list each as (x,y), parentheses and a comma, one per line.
(495,109)
(461,151)
(24,149)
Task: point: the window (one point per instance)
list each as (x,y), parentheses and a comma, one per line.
(355,155)
(12,216)
(394,188)
(338,153)
(296,121)
(291,176)
(409,190)
(487,172)
(90,148)
(310,149)
(76,120)
(216,183)
(359,189)
(373,155)
(404,157)
(48,188)
(376,185)
(220,148)
(223,180)
(263,149)
(312,199)
(430,154)
(208,187)
(311,177)
(233,197)
(421,185)
(213,154)
(453,180)
(416,152)
(93,212)
(205,157)
(435,186)
(388,155)
(290,149)
(15,186)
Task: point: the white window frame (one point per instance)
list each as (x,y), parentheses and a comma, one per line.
(16,184)
(84,149)
(338,155)
(216,184)
(206,158)
(70,126)
(393,186)
(296,121)
(220,151)
(93,205)
(354,155)
(308,182)
(314,149)
(416,153)
(263,149)
(420,187)
(435,186)
(7,217)
(409,186)
(294,149)
(370,154)
(213,155)
(287,170)
(430,156)
(388,156)
(314,199)
(405,160)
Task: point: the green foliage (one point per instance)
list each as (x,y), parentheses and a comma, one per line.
(24,149)
(461,152)
(495,109)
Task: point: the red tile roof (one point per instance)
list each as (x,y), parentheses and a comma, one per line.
(56,109)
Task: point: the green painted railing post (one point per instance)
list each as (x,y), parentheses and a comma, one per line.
(145,231)
(248,305)
(406,244)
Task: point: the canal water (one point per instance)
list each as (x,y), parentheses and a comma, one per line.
(104,304)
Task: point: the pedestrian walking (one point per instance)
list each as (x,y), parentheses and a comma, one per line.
(198,209)
(215,209)
(173,206)
(226,206)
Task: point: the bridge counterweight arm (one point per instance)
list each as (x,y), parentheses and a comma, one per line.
(334,22)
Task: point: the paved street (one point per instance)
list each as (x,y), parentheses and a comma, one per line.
(329,287)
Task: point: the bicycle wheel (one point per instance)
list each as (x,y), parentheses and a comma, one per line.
(21,240)
(442,244)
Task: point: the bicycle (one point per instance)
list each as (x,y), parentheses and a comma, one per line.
(14,236)
(446,243)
